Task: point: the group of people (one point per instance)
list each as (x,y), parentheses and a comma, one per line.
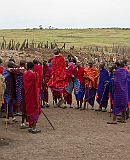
(22,88)
(27,86)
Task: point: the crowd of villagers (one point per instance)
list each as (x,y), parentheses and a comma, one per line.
(24,87)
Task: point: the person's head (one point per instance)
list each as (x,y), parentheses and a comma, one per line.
(125,61)
(110,69)
(1,61)
(102,65)
(44,61)
(122,64)
(56,51)
(113,65)
(35,61)
(74,60)
(22,63)
(49,61)
(11,64)
(78,63)
(90,63)
(11,59)
(117,64)
(30,66)
(67,62)
(69,58)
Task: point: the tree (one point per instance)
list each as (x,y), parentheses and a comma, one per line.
(40,27)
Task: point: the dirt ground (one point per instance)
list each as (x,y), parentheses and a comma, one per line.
(78,135)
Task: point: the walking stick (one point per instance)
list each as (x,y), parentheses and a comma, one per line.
(88,97)
(7,112)
(48,120)
(112,93)
(110,110)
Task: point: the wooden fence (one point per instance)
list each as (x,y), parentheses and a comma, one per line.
(12,45)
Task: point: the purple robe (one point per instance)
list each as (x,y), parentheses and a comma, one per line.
(120,91)
(103,91)
(90,95)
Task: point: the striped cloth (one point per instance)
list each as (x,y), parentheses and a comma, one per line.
(120,91)
(102,92)
(67,93)
(19,88)
(78,89)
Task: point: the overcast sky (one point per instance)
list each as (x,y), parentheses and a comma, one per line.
(64,13)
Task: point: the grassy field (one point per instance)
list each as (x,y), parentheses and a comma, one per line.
(77,37)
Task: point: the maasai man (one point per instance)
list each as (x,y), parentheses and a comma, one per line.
(1,91)
(91,78)
(18,95)
(8,100)
(120,93)
(46,77)
(111,85)
(57,81)
(67,92)
(32,98)
(103,88)
(79,84)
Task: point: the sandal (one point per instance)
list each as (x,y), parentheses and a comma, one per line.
(14,120)
(121,121)
(104,110)
(30,130)
(84,108)
(47,105)
(35,131)
(112,122)
(56,105)
(64,107)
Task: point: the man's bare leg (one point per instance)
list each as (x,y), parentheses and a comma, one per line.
(123,116)
(77,105)
(84,106)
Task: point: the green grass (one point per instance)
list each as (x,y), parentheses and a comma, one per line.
(77,37)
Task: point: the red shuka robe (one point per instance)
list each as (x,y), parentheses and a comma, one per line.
(57,80)
(30,80)
(38,69)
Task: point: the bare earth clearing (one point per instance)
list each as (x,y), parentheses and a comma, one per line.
(79,135)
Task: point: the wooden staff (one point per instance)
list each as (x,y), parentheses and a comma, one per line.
(88,95)
(111,97)
(48,120)
(112,91)
(7,112)
(87,99)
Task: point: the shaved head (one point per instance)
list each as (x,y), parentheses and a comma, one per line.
(11,64)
